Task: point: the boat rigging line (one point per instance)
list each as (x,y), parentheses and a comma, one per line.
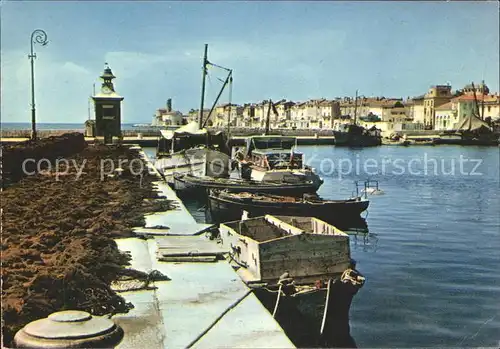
(228,78)
(202,123)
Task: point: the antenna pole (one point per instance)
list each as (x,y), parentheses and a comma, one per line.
(204,68)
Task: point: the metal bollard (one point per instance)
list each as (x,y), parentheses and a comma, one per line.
(70,329)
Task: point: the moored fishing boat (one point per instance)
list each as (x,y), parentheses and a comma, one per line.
(273,158)
(354,135)
(192,149)
(224,205)
(201,184)
(301,270)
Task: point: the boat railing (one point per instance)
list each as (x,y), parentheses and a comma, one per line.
(363,187)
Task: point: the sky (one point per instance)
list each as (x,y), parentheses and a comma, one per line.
(295,50)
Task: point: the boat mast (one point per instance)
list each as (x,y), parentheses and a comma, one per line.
(230,106)
(482,102)
(204,68)
(228,79)
(268,117)
(475,101)
(355,107)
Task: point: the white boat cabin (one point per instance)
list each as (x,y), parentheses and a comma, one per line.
(189,136)
(191,150)
(304,247)
(272,153)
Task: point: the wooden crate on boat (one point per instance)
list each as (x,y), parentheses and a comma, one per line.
(303,247)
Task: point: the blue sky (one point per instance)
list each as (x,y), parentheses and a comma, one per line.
(294,50)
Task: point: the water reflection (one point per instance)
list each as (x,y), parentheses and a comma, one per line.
(366,242)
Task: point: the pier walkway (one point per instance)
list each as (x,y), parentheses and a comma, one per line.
(204,305)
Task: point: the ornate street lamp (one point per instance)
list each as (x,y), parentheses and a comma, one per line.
(37,37)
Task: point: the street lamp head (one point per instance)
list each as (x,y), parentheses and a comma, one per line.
(39,37)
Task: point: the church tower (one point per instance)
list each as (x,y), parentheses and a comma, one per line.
(107,108)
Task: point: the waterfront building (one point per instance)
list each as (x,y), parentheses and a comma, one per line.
(221,113)
(415,107)
(194,113)
(168,117)
(248,115)
(481,89)
(483,105)
(329,111)
(391,128)
(298,116)
(312,113)
(492,107)
(380,108)
(488,104)
(446,116)
(437,109)
(260,114)
(284,111)
(435,97)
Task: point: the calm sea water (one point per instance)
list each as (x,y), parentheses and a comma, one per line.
(50,126)
(432,257)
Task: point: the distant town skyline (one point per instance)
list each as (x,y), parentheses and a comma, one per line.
(292,50)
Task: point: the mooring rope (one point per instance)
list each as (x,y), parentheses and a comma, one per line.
(277,300)
(325,310)
(194,341)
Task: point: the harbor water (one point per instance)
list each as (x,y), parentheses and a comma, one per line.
(431,256)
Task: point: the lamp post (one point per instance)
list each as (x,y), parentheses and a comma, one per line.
(37,37)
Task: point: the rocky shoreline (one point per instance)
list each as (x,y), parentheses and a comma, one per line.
(58,247)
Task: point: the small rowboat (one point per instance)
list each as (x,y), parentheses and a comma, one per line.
(190,182)
(226,205)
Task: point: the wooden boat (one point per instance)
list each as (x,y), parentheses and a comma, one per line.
(192,148)
(187,152)
(301,270)
(424,142)
(274,158)
(224,205)
(189,182)
(398,142)
(354,135)
(467,138)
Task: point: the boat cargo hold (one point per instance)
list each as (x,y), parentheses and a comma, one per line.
(301,270)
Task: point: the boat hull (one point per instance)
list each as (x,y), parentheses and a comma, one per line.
(302,315)
(344,139)
(197,162)
(201,185)
(224,209)
(465,141)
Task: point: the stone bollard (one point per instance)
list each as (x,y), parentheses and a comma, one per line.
(69,329)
